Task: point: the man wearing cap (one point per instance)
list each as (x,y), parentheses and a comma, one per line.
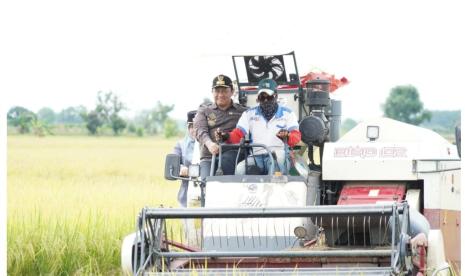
(185,148)
(220,116)
(268,123)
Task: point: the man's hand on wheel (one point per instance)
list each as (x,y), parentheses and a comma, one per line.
(282,134)
(221,136)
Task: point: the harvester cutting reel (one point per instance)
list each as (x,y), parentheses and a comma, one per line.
(233,245)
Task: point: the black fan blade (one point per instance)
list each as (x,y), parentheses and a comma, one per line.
(258,74)
(260,67)
(256,61)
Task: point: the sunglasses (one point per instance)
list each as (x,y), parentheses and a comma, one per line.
(265,97)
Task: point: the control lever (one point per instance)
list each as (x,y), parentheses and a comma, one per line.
(286,155)
(242,144)
(275,158)
(219,170)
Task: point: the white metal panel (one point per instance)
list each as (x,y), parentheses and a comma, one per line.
(428,144)
(442,187)
(432,191)
(368,161)
(368,170)
(248,195)
(413,198)
(393,153)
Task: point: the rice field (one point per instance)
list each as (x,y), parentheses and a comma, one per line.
(71,200)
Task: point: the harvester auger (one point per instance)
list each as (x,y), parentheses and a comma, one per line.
(384,199)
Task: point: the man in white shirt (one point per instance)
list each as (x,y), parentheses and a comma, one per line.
(268,123)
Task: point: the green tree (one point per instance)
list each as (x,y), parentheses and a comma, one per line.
(444,120)
(143,119)
(108,106)
(160,114)
(40,128)
(46,115)
(140,131)
(71,115)
(170,128)
(93,121)
(117,124)
(21,118)
(103,107)
(404,104)
(153,120)
(106,113)
(131,127)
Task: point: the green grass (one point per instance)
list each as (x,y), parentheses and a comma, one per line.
(71,200)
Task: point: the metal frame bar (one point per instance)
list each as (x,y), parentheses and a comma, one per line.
(393,238)
(289,254)
(443,170)
(301,91)
(307,211)
(239,146)
(356,271)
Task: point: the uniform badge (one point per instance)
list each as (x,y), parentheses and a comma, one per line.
(220,80)
(211,118)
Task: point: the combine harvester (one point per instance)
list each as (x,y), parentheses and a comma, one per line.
(384,199)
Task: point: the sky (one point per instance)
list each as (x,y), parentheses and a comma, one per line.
(61,53)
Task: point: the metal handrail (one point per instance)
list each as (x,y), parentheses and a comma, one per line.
(325,210)
(289,254)
(238,146)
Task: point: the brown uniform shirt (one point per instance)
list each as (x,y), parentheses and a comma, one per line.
(209,118)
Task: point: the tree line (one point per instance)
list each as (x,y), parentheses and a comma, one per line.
(105,116)
(402,104)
